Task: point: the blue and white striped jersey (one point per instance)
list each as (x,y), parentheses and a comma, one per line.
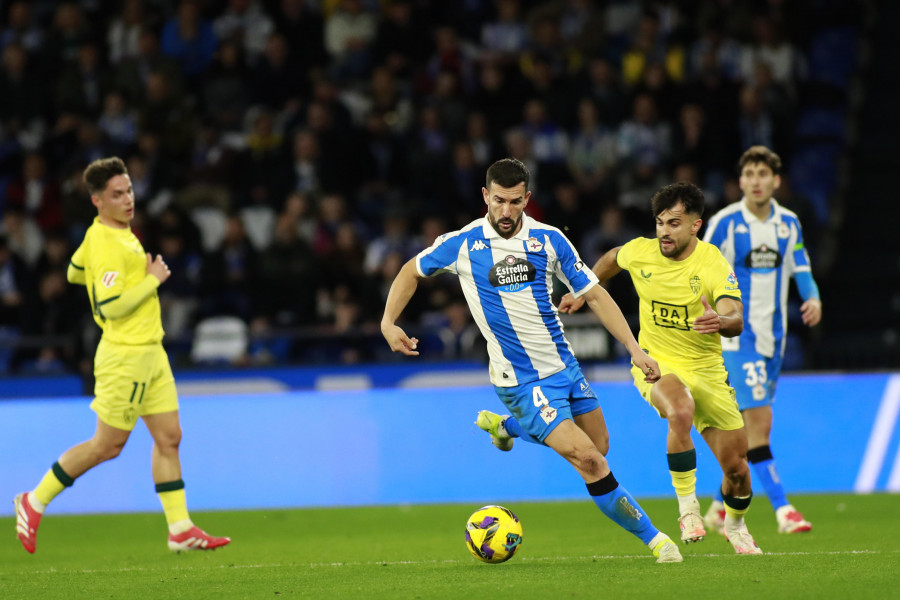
(507,284)
(764,254)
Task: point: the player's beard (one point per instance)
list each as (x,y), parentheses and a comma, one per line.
(676,248)
(512,230)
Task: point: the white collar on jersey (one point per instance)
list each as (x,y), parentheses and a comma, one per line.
(775,215)
(524,232)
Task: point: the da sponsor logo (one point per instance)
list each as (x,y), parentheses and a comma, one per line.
(109,278)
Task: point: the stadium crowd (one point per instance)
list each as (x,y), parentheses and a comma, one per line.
(288,156)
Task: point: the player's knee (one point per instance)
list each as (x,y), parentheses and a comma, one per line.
(169,441)
(681,416)
(107,451)
(590,461)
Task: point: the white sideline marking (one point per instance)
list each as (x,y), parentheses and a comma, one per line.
(877,447)
(432,562)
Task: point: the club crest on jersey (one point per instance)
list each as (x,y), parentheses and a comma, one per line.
(533,245)
(512,274)
(783,230)
(763,258)
(109,278)
(695,284)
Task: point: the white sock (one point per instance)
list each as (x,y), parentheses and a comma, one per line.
(659,537)
(180,526)
(688,504)
(38,506)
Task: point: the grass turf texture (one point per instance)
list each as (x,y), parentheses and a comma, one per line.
(570,550)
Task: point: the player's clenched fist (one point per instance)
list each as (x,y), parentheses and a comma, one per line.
(158,267)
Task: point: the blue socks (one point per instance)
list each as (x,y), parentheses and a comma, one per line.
(515,430)
(764,469)
(617,504)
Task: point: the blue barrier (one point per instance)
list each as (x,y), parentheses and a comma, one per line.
(833,433)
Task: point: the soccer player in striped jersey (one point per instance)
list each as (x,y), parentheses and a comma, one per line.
(679,279)
(764,242)
(131,368)
(505,262)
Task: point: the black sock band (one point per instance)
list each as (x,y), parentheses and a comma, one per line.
(170,486)
(758,455)
(682,461)
(737,503)
(63,477)
(604,486)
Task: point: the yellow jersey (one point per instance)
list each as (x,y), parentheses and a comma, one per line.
(110,262)
(669,292)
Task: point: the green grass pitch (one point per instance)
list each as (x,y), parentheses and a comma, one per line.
(570,550)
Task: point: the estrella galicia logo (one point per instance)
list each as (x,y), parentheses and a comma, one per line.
(512,274)
(763,258)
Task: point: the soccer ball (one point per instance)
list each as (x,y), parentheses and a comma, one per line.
(493,534)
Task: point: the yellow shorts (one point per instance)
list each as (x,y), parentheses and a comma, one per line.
(715,404)
(130,382)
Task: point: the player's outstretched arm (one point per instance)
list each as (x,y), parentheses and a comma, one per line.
(605,269)
(612,318)
(727,319)
(402,290)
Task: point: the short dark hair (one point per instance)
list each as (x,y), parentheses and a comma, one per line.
(98,173)
(760,154)
(507,172)
(687,193)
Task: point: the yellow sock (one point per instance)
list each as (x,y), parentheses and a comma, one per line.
(737,513)
(54,481)
(174,502)
(685,484)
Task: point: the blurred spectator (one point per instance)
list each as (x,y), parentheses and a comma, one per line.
(36,193)
(592,154)
(485,146)
(450,54)
(227,277)
(756,125)
(506,36)
(600,82)
(645,140)
(67,33)
(225,94)
(118,123)
(401,38)
(22,29)
(245,23)
(84,82)
(125,31)
(770,47)
(349,39)
(649,46)
(132,73)
(22,96)
(189,39)
(168,115)
(275,77)
(303,29)
(23,236)
(12,272)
